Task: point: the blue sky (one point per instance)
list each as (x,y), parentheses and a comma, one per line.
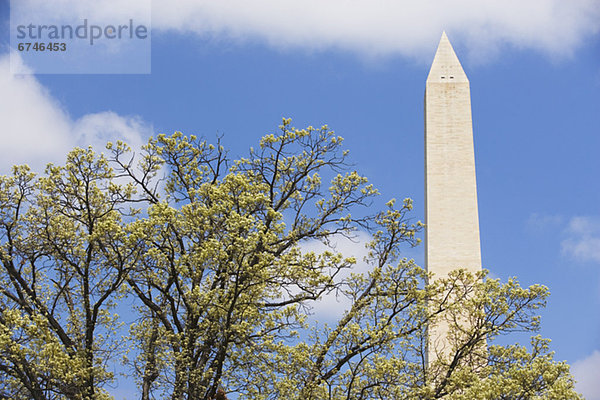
(236,68)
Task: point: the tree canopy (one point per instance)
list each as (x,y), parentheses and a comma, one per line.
(205,261)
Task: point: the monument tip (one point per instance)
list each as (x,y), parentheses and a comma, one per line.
(446,67)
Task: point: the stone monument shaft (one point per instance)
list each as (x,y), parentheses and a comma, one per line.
(452,232)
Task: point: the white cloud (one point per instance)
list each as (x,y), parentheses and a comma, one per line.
(98,128)
(389,26)
(331,307)
(583,239)
(586,374)
(34,125)
(36,129)
(97,11)
(409,28)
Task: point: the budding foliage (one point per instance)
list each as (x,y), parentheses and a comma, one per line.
(212,255)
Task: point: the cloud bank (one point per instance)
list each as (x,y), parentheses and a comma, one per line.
(36,128)
(368,27)
(331,307)
(583,239)
(580,234)
(586,374)
(389,26)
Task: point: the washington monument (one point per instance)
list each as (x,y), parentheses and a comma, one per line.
(452,233)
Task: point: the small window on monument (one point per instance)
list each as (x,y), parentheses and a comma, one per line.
(451,77)
(443,77)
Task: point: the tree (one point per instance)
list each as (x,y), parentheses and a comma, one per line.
(64,261)
(214,257)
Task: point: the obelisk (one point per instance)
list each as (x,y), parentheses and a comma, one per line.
(451,217)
